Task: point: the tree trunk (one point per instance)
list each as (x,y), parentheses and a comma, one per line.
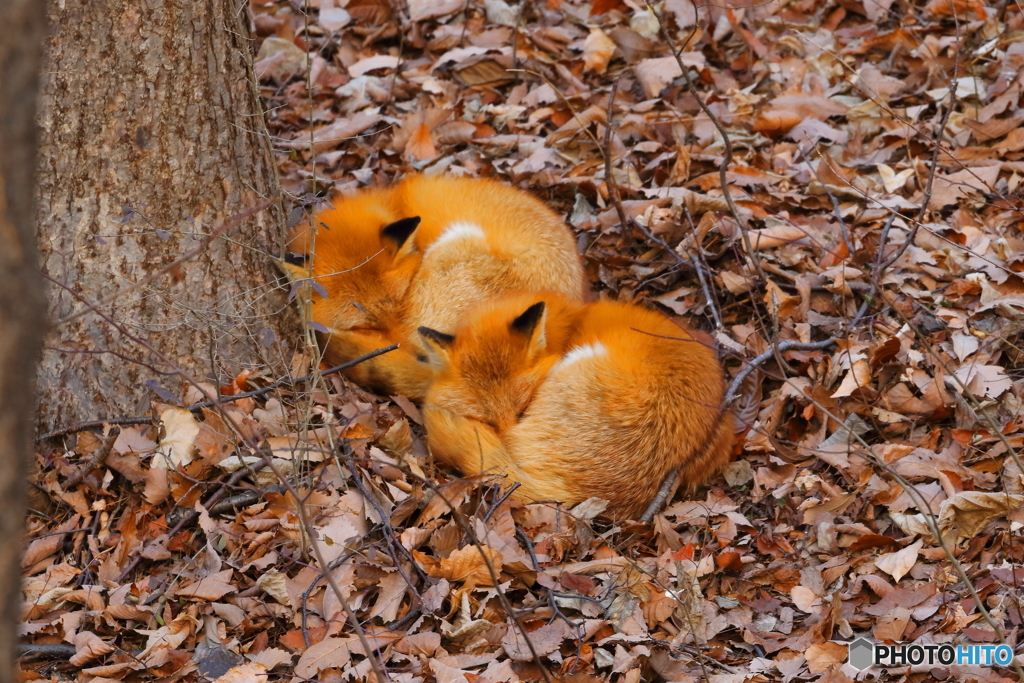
(152,139)
(21,294)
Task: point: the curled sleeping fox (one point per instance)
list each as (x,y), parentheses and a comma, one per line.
(385,262)
(575,400)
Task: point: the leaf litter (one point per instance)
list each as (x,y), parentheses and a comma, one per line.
(876,159)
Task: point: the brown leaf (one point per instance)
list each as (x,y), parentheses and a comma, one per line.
(455,133)
(489,70)
(389,600)
(425,643)
(211,588)
(947,8)
(274,584)
(775,236)
(598,49)
(272,657)
(545,640)
(899,563)
(177,448)
(41,548)
(821,656)
(89,646)
(729,561)
(448,674)
(329,653)
(465,564)
(577,582)
(949,189)
(966,514)
(330,136)
(774,123)
(250,672)
(420,146)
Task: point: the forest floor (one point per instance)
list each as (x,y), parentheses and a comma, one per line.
(865,293)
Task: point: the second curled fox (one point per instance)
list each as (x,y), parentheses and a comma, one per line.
(420,253)
(576,400)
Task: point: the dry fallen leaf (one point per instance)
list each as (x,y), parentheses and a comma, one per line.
(776,122)
(177,448)
(776,236)
(897,564)
(330,653)
(210,588)
(89,646)
(656,73)
(967,513)
(598,49)
(245,673)
(469,564)
(858,377)
(273,584)
(545,640)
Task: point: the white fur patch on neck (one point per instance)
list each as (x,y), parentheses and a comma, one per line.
(578,353)
(455,232)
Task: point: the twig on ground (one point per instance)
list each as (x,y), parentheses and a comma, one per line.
(836,211)
(555,609)
(696,654)
(504,496)
(787,345)
(693,263)
(465,23)
(282,382)
(609,175)
(241,500)
(46,650)
(95,461)
(59,533)
(312,587)
(389,531)
(668,486)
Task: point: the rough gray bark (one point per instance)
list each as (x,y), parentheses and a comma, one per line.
(21,294)
(152,139)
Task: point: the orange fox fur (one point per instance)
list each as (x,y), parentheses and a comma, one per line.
(576,400)
(419,254)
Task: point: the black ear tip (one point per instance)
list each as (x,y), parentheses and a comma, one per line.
(528,319)
(295,259)
(439,338)
(400,230)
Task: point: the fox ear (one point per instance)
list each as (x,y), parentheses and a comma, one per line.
(531,323)
(438,345)
(400,231)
